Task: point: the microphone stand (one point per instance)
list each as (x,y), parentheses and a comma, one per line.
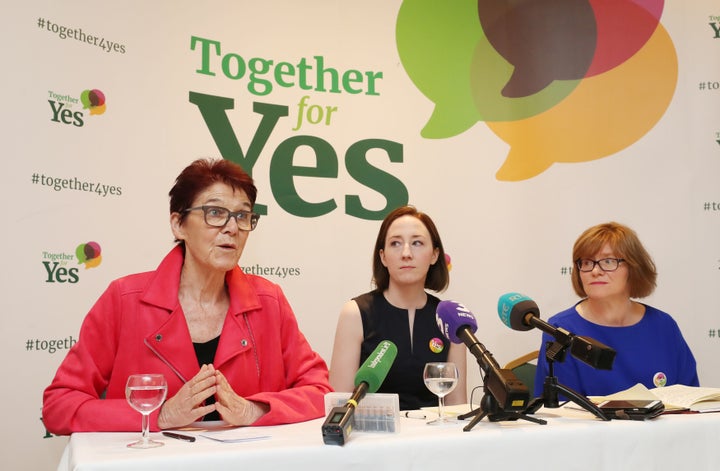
(490,408)
(552,388)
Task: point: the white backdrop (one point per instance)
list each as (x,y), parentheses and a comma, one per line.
(502,235)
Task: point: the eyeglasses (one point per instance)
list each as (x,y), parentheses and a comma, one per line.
(605,264)
(217,216)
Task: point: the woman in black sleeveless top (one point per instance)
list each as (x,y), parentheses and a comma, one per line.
(408,259)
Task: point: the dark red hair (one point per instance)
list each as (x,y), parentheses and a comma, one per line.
(203,173)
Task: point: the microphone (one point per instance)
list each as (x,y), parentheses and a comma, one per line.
(519,312)
(368,379)
(458,324)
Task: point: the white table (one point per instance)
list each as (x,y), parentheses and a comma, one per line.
(571,440)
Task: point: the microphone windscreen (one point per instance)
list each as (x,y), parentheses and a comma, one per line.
(374,370)
(450,316)
(512,309)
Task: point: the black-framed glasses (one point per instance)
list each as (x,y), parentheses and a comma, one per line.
(605,264)
(217,216)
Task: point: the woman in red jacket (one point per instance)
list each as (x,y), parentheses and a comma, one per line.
(227,342)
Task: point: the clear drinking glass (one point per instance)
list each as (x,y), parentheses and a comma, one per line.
(440,378)
(145,393)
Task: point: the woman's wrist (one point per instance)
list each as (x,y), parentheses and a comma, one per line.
(258,409)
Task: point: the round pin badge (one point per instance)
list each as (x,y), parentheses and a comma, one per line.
(436,345)
(659,379)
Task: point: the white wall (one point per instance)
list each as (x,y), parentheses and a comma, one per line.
(502,235)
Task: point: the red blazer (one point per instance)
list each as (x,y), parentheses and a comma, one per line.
(137,326)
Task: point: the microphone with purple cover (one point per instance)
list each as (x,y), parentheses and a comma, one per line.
(519,312)
(458,324)
(368,379)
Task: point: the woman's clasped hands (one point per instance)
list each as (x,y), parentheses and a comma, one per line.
(188,405)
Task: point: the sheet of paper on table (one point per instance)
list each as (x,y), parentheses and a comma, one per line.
(235,435)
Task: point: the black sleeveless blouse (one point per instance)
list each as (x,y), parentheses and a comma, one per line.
(383,321)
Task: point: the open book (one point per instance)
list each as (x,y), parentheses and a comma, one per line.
(676,397)
(697,399)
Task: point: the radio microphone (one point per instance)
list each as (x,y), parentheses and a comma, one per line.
(458,324)
(368,379)
(519,312)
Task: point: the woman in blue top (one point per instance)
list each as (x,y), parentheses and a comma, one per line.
(611,268)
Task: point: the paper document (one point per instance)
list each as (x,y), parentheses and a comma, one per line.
(697,399)
(636,393)
(675,397)
(235,435)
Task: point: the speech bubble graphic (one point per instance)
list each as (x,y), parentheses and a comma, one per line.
(489,74)
(532,70)
(435,44)
(94,100)
(80,254)
(85,99)
(545,40)
(623,28)
(96,97)
(89,254)
(602,116)
(94,262)
(97,109)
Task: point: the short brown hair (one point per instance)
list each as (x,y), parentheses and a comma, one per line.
(438,276)
(642,274)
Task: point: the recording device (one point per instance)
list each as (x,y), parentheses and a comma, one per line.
(632,409)
(519,312)
(636,405)
(458,324)
(368,379)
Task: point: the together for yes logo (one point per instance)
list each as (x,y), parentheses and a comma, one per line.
(59,266)
(558,80)
(61,106)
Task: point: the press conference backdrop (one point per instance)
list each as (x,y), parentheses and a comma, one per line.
(342,111)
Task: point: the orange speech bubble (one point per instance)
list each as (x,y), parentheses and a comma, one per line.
(603,115)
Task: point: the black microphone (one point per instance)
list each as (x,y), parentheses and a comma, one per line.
(341,420)
(458,324)
(519,312)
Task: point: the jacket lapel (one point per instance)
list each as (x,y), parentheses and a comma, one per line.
(171,341)
(237,334)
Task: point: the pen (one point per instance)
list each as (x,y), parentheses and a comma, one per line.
(415,415)
(179,436)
